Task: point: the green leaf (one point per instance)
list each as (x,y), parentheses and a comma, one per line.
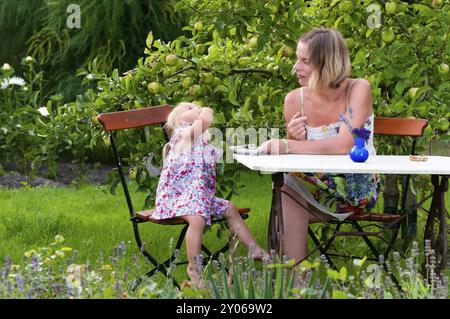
(338,294)
(309,265)
(109,293)
(360,58)
(338,20)
(333,274)
(262,40)
(369,32)
(400,87)
(343,273)
(149,40)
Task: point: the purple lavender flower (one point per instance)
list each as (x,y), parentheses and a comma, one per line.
(356,132)
(350,112)
(361,133)
(344,120)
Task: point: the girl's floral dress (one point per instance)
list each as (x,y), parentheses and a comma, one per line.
(187,184)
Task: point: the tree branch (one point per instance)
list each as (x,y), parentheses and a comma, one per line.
(255,70)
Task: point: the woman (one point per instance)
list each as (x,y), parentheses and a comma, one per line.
(312,113)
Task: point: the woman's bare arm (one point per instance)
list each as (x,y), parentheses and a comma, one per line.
(292,116)
(360,101)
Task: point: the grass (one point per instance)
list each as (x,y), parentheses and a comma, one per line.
(93,221)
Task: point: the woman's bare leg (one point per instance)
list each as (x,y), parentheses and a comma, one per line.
(193,245)
(296,220)
(240,229)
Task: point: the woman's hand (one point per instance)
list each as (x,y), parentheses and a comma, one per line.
(273,146)
(297,127)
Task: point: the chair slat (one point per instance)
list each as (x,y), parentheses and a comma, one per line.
(146,215)
(399,126)
(115,121)
(375,217)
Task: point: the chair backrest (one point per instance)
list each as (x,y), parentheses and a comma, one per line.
(116,121)
(399,126)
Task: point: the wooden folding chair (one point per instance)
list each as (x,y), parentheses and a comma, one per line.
(117,121)
(413,128)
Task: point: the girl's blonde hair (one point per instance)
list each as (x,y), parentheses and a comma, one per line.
(329,55)
(173,121)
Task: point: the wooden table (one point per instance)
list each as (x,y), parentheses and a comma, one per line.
(436,166)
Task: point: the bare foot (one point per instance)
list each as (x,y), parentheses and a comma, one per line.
(260,254)
(195,279)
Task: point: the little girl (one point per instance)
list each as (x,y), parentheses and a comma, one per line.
(186,188)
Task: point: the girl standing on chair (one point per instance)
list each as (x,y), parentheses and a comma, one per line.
(186,188)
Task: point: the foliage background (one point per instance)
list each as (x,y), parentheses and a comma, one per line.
(235,56)
(113,31)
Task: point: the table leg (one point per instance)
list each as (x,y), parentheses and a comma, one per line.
(276,229)
(436,225)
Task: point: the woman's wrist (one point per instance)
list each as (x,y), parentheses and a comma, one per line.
(286,145)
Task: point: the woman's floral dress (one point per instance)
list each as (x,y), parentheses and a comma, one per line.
(187,184)
(337,193)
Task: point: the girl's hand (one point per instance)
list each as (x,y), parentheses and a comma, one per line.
(207,109)
(297,127)
(273,146)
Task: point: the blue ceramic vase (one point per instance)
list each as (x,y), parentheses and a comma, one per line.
(359,153)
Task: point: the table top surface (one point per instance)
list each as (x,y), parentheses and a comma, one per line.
(382,164)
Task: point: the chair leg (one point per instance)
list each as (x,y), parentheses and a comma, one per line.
(366,240)
(223,249)
(376,254)
(319,246)
(165,264)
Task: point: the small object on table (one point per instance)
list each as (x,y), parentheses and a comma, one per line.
(418,158)
(246,149)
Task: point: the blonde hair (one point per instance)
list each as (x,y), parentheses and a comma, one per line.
(173,122)
(329,54)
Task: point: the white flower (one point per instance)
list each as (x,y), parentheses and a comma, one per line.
(15,80)
(43,110)
(29,59)
(59,239)
(6,67)
(89,76)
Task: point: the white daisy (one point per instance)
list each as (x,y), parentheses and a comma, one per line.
(6,67)
(15,80)
(4,84)
(43,110)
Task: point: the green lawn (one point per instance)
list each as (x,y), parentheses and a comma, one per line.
(92,221)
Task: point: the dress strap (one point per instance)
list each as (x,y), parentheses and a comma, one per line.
(301,100)
(349,90)
(176,134)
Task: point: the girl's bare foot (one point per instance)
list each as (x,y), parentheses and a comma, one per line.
(195,279)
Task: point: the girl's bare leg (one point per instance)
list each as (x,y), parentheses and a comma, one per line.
(193,245)
(240,229)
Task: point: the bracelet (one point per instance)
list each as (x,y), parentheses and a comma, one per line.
(286,146)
